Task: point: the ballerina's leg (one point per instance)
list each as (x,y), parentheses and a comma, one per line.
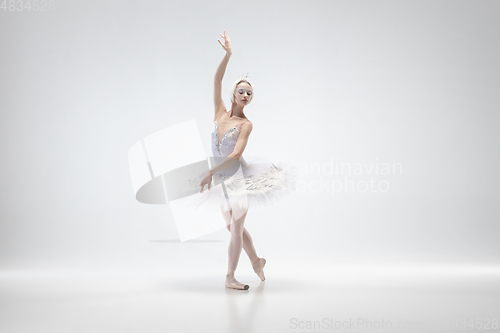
(234,252)
(236,242)
(247,244)
(247,239)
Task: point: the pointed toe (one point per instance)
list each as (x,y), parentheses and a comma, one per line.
(258,268)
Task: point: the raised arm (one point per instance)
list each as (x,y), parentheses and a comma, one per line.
(219,75)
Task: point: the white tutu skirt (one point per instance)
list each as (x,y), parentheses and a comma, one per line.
(255,182)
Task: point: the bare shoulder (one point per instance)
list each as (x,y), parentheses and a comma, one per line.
(247,124)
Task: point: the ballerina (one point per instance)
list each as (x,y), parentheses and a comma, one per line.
(262,183)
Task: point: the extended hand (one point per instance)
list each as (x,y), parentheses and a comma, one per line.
(207,180)
(227,45)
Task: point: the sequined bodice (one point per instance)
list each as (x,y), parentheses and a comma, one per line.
(227,142)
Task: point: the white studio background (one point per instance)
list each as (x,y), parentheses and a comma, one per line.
(412,85)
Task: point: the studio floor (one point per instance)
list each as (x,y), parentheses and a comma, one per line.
(293,298)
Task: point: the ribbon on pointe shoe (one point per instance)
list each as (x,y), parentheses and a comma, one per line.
(235,284)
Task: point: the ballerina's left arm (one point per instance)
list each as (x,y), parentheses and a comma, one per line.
(239,148)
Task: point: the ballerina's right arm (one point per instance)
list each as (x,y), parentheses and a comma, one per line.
(219,74)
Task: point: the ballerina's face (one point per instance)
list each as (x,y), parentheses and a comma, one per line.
(243,93)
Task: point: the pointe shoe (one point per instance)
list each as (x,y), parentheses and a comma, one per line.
(258,268)
(237,285)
